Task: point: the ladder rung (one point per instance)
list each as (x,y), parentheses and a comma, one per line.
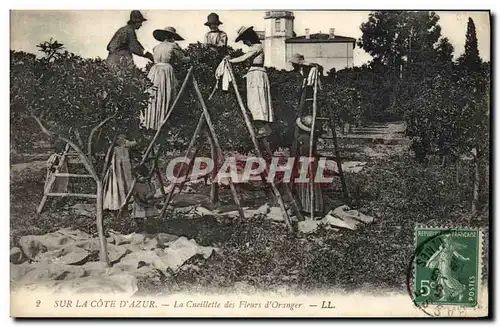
(75,154)
(76,195)
(72,175)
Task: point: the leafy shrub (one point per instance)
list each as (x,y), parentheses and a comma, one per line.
(72,95)
(225,111)
(86,92)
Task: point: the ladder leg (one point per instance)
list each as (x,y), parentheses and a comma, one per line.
(191,145)
(214,187)
(52,179)
(42,204)
(157,134)
(286,188)
(179,185)
(257,149)
(220,155)
(312,144)
(337,156)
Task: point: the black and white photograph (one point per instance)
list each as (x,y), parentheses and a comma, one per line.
(250,163)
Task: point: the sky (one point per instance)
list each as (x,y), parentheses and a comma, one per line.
(87,32)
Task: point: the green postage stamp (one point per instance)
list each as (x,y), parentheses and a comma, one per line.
(447,266)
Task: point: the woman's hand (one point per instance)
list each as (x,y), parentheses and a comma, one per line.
(149,56)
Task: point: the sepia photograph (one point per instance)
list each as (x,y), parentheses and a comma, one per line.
(250,163)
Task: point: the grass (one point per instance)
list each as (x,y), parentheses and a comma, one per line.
(260,254)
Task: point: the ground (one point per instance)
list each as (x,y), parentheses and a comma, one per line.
(260,254)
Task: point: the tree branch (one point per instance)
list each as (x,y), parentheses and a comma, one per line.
(75,147)
(78,138)
(94,130)
(108,156)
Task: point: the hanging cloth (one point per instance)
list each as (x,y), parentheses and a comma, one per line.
(312,77)
(222,71)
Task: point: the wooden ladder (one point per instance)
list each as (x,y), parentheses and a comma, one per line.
(51,179)
(304,99)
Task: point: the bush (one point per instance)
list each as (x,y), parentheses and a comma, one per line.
(398,189)
(224,109)
(72,95)
(24,131)
(85,92)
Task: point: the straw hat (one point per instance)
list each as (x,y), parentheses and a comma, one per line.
(136,17)
(241,31)
(298,59)
(213,19)
(304,123)
(162,34)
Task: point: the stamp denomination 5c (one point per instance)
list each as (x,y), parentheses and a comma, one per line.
(447,266)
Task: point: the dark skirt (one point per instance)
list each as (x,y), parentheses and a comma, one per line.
(303,190)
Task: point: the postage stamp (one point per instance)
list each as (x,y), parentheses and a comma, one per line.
(447,270)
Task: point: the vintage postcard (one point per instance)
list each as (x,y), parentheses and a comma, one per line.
(249,163)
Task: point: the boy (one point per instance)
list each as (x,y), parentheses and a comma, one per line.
(215,36)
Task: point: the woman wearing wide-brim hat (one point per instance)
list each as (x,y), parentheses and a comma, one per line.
(124,43)
(297,60)
(303,189)
(215,36)
(162,75)
(258,87)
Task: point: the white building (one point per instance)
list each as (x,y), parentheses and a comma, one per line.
(280,43)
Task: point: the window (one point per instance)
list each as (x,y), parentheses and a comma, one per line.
(277,25)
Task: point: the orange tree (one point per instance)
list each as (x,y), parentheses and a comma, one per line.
(80,102)
(224,108)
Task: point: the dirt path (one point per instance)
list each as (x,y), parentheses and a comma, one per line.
(24,166)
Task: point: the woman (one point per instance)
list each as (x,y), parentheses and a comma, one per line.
(118,178)
(124,43)
(162,76)
(258,86)
(304,188)
(441,262)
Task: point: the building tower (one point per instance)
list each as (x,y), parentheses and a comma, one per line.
(278,27)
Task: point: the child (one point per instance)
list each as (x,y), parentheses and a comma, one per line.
(144,202)
(215,36)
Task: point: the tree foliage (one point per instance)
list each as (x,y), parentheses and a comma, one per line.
(225,111)
(72,95)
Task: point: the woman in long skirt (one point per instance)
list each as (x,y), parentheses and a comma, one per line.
(258,86)
(118,178)
(303,189)
(162,75)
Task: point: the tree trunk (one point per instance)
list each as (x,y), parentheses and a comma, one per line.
(103,254)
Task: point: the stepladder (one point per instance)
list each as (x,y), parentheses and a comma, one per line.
(308,106)
(192,149)
(206,127)
(57,179)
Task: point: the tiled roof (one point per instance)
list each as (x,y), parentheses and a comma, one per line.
(320,38)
